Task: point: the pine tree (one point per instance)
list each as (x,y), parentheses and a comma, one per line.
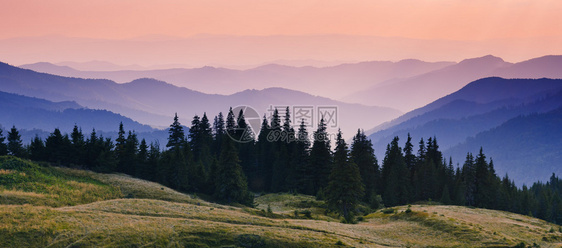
(288,154)
(446,196)
(409,157)
(37,150)
(15,145)
(484,182)
(58,147)
(345,188)
(262,179)
(246,153)
(218,134)
(143,167)
(176,139)
(153,160)
(230,183)
(100,154)
(130,153)
(173,170)
(106,161)
(305,173)
(3,146)
(230,124)
(78,146)
(200,140)
(469,180)
(195,136)
(283,172)
(120,148)
(206,141)
(395,176)
(363,155)
(320,158)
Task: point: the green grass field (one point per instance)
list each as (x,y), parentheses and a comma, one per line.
(42,206)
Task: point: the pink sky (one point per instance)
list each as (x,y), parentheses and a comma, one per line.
(427,19)
(459,20)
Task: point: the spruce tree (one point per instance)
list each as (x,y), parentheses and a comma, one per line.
(176,138)
(218,134)
(37,150)
(283,172)
(58,147)
(246,153)
(143,168)
(305,173)
(290,158)
(78,146)
(120,148)
(106,161)
(262,179)
(230,182)
(445,196)
(320,158)
(130,154)
(3,146)
(363,155)
(469,180)
(15,145)
(174,166)
(395,176)
(173,169)
(345,188)
(483,195)
(195,136)
(409,157)
(206,137)
(230,124)
(153,160)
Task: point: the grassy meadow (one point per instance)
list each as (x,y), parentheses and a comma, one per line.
(44,206)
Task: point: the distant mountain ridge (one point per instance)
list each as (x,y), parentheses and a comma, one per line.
(33,113)
(527,147)
(332,81)
(481,106)
(417,91)
(154,102)
(404,85)
(38,117)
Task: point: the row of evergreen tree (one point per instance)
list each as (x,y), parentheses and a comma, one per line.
(208,160)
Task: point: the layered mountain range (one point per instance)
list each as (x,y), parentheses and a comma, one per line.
(514,115)
(486,113)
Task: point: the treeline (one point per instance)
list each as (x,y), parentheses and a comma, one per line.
(227,161)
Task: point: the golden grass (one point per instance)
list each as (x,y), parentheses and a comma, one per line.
(31,184)
(146,222)
(136,188)
(6,172)
(157,216)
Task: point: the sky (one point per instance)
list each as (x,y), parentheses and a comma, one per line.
(496,21)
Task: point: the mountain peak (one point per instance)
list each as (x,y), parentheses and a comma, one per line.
(489,59)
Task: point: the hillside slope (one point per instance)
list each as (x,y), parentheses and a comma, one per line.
(153,215)
(478,107)
(34,113)
(149,101)
(333,81)
(526,147)
(414,92)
